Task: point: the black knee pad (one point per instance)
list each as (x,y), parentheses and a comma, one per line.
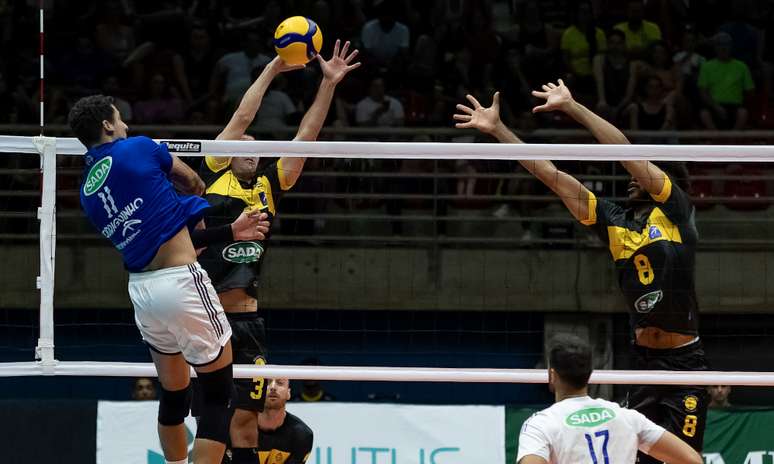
(216,388)
(174,406)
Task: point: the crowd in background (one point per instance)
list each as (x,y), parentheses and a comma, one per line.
(657,64)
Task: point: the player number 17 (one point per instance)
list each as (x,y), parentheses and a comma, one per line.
(590,441)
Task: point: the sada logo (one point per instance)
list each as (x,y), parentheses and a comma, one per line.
(97,175)
(590,417)
(243,252)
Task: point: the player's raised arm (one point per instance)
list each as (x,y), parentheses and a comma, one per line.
(333,71)
(559,98)
(487,120)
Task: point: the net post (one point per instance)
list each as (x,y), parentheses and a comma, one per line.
(44,351)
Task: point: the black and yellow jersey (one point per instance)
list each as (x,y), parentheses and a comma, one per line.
(655,258)
(237,264)
(290,443)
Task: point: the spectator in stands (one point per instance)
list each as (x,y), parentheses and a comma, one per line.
(199,58)
(540,55)
(612,75)
(689,63)
(580,43)
(379,109)
(746,40)
(724,83)
(111,86)
(231,77)
(312,391)
(654,109)
(719,396)
(385,40)
(114,35)
(659,63)
(349,18)
(83,69)
(162,106)
(639,32)
(144,389)
(276,107)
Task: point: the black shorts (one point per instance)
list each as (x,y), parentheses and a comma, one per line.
(680,409)
(248,344)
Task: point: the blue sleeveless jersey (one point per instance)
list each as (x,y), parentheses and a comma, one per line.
(128,198)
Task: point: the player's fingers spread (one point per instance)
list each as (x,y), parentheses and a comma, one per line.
(336,48)
(546,88)
(496,100)
(354,66)
(351,56)
(539,94)
(345,49)
(464,109)
(462,125)
(473,100)
(540,109)
(551,85)
(462,117)
(561,83)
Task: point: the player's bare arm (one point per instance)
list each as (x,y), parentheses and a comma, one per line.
(672,450)
(185,179)
(532,459)
(559,98)
(334,70)
(487,120)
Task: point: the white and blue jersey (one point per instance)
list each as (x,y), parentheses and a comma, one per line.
(127,196)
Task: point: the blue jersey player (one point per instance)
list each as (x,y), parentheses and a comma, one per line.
(128,195)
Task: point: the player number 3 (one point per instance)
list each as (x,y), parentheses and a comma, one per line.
(644,269)
(258,382)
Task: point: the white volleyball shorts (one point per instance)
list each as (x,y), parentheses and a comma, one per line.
(178,311)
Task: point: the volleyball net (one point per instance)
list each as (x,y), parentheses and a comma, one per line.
(391,245)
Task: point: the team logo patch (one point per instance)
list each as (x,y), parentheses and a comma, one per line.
(648,301)
(243,252)
(590,417)
(654,232)
(183,147)
(691,403)
(97,175)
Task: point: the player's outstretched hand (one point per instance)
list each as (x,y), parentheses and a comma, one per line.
(478,117)
(251,226)
(279,66)
(557,97)
(340,63)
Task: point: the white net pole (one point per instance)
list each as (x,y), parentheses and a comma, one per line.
(44,351)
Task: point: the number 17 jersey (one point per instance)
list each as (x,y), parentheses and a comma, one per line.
(583,430)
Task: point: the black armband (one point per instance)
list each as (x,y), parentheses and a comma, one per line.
(204,237)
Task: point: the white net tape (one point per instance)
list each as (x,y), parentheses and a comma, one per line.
(399,150)
(50,147)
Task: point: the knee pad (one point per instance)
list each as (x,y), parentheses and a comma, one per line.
(174,406)
(216,388)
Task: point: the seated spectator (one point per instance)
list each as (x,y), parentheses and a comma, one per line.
(231,77)
(349,18)
(639,32)
(612,73)
(724,83)
(689,63)
(199,58)
(162,105)
(719,396)
(654,110)
(144,389)
(659,63)
(746,40)
(114,35)
(379,109)
(385,40)
(580,43)
(112,88)
(276,106)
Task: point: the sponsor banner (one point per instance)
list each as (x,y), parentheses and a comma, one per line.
(344,433)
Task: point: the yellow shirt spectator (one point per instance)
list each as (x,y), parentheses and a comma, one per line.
(637,41)
(576,47)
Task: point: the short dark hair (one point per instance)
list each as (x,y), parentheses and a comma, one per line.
(86,116)
(678,173)
(570,357)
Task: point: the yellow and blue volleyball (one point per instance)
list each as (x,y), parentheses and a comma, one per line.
(297,40)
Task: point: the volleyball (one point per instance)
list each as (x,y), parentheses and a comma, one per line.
(297,40)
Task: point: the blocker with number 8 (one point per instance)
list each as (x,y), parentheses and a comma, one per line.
(297,40)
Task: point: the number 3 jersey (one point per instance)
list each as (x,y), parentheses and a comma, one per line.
(655,258)
(237,264)
(127,196)
(585,430)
